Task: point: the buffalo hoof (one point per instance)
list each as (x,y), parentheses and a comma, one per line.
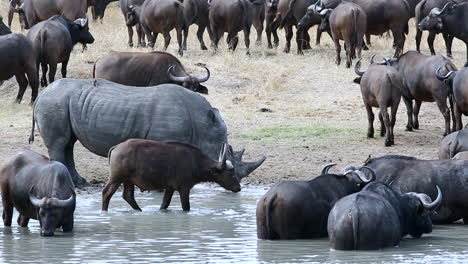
(130,45)
(247,53)
(300,52)
(203,47)
(348,64)
(43,83)
(142,45)
(369,135)
(338,62)
(286,50)
(258,42)
(449,55)
(388,143)
(270,46)
(317,43)
(409,128)
(466,64)
(365,48)
(416,125)
(180,52)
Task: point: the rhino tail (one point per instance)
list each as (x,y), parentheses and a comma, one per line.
(109,153)
(288,15)
(268,207)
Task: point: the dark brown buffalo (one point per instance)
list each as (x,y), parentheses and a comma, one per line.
(452,19)
(457,81)
(172,166)
(162,16)
(53,41)
(231,16)
(147,69)
(381,87)
(418,73)
(3,28)
(98,8)
(37,188)
(32,12)
(289,13)
(299,209)
(422,10)
(196,12)
(347,22)
(271,23)
(17,59)
(126,7)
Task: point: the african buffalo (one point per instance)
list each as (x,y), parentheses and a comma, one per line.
(196,12)
(126,7)
(271,23)
(408,174)
(32,12)
(378,217)
(454,143)
(347,22)
(258,17)
(418,73)
(147,69)
(461,155)
(53,41)
(311,18)
(299,209)
(18,59)
(381,87)
(98,7)
(13,7)
(178,167)
(231,17)
(162,16)
(166,112)
(37,188)
(451,19)
(3,28)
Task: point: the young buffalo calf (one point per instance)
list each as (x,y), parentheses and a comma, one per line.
(381,87)
(172,166)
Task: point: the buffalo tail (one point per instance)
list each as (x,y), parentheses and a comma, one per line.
(268,205)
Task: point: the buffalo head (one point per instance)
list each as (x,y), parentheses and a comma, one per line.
(420,206)
(80,31)
(51,212)
(325,15)
(357,175)
(307,20)
(434,20)
(223,171)
(190,82)
(447,78)
(21,13)
(132,15)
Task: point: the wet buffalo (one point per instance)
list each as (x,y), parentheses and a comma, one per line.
(457,81)
(147,69)
(378,217)
(18,59)
(381,87)
(418,73)
(126,6)
(347,22)
(409,174)
(166,112)
(451,20)
(53,41)
(196,12)
(454,143)
(155,165)
(37,188)
(299,209)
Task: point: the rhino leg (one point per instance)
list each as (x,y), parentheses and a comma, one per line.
(70,163)
(167,198)
(129,195)
(23,221)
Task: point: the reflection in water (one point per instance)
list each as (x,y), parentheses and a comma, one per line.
(220,228)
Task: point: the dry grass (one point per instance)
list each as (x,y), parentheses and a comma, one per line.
(300,111)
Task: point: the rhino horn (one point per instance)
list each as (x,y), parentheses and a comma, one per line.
(249,167)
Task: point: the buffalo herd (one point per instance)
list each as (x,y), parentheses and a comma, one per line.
(144,112)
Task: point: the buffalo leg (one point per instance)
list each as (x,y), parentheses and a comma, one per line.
(299,41)
(386,121)
(368,42)
(149,37)
(216,38)
(409,112)
(44,74)
(107,192)
(23,84)
(370,118)
(179,41)
(7,207)
(289,35)
(33,79)
(446,113)
(318,36)
(186,31)
(399,42)
(167,198)
(430,42)
(338,51)
(306,40)
(68,225)
(130,36)
(349,54)
(167,40)
(52,72)
(64,68)
(418,39)
(417,107)
(268,32)
(394,111)
(448,44)
(274,31)
(458,118)
(129,195)
(230,39)
(140,36)
(200,31)
(259,28)
(23,221)
(10,17)
(247,39)
(184,198)
(382,124)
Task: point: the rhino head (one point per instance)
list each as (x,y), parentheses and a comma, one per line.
(242,169)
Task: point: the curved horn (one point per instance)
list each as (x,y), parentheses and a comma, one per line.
(222,157)
(356,68)
(348,169)
(383,62)
(317,8)
(327,168)
(443,9)
(324,12)
(63,203)
(81,22)
(431,206)
(443,77)
(175,78)
(204,79)
(36,202)
(372,172)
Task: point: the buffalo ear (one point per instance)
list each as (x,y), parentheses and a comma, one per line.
(357,80)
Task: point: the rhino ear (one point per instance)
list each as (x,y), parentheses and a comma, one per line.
(212,115)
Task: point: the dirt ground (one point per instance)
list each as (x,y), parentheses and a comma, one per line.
(302,112)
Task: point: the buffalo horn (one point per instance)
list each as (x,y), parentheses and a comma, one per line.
(443,77)
(356,68)
(384,62)
(436,11)
(175,78)
(81,22)
(372,173)
(327,168)
(428,205)
(63,203)
(324,12)
(317,8)
(36,202)
(204,79)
